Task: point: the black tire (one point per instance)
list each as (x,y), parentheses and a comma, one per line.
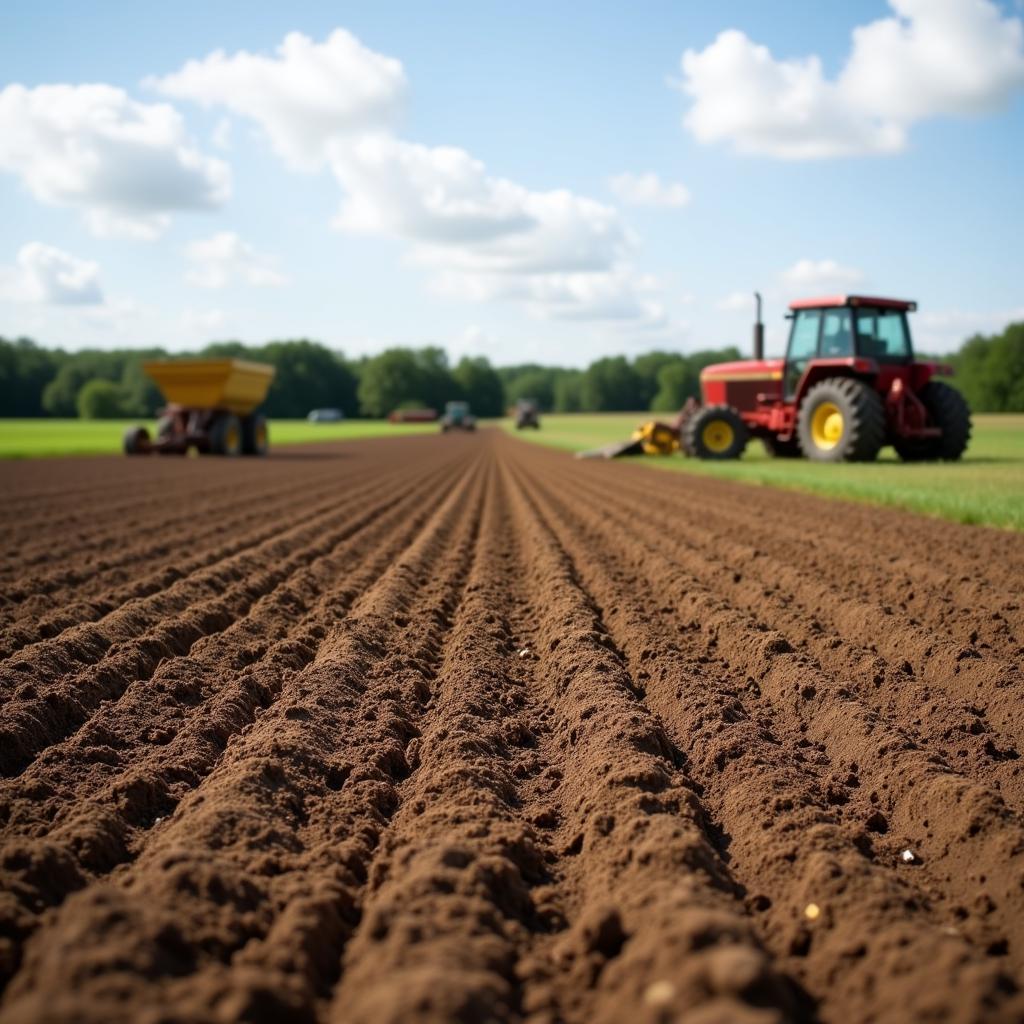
(861,421)
(782,449)
(226,435)
(948,410)
(715,432)
(255,435)
(136,441)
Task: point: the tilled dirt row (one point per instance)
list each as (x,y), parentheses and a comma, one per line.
(457,728)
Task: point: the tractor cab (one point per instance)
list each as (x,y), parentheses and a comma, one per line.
(844,328)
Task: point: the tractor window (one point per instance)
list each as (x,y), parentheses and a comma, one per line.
(882,334)
(803,346)
(836,334)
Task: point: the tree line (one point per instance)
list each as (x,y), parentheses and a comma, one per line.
(100,384)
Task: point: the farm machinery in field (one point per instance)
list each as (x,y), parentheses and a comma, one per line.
(457,417)
(527,414)
(848,385)
(211,407)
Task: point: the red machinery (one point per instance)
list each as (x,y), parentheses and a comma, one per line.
(848,385)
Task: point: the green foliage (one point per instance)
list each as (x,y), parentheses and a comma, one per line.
(611,385)
(480,385)
(309,376)
(25,370)
(100,399)
(648,369)
(536,382)
(40,382)
(990,371)
(568,391)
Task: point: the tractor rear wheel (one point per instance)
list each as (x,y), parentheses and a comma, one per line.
(715,432)
(841,420)
(226,435)
(255,435)
(947,410)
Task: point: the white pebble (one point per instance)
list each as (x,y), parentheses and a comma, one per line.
(812,911)
(908,856)
(524,652)
(659,993)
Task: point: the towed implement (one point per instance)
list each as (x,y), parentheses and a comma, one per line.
(848,385)
(211,407)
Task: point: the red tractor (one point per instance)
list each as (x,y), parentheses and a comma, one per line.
(848,385)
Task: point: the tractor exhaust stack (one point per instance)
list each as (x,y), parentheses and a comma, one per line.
(758,330)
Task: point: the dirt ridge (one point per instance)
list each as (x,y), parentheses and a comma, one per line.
(457,728)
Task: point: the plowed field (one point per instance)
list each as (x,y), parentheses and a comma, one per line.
(456,728)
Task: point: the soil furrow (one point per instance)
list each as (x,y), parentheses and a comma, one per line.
(225,543)
(457,728)
(726,636)
(238,898)
(48,701)
(936,690)
(659,926)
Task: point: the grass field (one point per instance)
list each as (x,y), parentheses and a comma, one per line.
(986,487)
(23,439)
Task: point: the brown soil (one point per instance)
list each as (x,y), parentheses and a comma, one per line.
(459,729)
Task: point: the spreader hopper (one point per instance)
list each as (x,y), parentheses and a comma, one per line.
(210,407)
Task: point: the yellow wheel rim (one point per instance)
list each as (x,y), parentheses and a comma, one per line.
(232,439)
(718,436)
(827,426)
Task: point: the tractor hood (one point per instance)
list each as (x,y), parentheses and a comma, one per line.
(744,369)
(744,385)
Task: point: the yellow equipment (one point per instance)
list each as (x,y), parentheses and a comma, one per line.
(233,384)
(651,438)
(211,407)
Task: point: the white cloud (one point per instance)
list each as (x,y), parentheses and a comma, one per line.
(126,165)
(736,302)
(50,276)
(945,330)
(618,295)
(307,95)
(223,258)
(221,136)
(808,276)
(487,238)
(648,190)
(934,58)
(482,236)
(202,321)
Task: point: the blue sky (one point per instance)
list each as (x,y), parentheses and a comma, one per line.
(599,193)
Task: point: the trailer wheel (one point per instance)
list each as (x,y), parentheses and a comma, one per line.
(841,420)
(137,441)
(949,411)
(226,435)
(715,432)
(255,435)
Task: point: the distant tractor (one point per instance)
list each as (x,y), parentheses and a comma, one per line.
(848,385)
(211,407)
(527,414)
(457,417)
